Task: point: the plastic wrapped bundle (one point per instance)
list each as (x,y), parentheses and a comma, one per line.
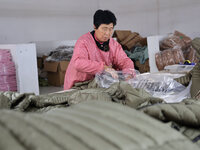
(190,54)
(162,86)
(158,85)
(172,41)
(159,61)
(62,53)
(105,80)
(187,40)
(169,57)
(178,56)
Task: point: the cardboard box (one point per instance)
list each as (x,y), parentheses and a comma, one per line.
(56,72)
(39,62)
(143,67)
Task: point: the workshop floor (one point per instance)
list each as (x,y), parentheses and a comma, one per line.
(50,89)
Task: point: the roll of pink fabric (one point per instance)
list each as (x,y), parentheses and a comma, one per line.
(7,71)
(7,79)
(7,68)
(5,55)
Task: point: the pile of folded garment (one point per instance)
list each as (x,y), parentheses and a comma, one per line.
(135,47)
(7,72)
(129,39)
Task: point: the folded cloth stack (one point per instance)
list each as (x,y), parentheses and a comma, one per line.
(7,72)
(133,42)
(129,39)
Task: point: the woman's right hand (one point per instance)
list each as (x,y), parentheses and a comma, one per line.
(111,71)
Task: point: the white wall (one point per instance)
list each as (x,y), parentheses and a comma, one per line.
(35,20)
(45,28)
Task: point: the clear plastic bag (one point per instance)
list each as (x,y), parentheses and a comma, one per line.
(172,41)
(105,80)
(179,68)
(162,85)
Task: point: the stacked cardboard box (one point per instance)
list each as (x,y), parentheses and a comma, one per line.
(56,72)
(129,39)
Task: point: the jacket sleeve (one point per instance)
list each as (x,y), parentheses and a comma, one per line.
(122,61)
(82,62)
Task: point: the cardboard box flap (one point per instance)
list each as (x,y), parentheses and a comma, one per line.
(63,65)
(51,66)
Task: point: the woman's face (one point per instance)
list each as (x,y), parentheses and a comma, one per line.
(104,32)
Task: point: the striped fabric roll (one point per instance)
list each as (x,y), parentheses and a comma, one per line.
(7,68)
(7,71)
(5,55)
(9,87)
(7,79)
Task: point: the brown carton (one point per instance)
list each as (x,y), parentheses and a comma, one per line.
(39,62)
(56,72)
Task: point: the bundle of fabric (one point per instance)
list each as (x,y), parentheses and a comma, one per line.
(28,121)
(176,40)
(172,41)
(90,125)
(129,39)
(61,53)
(169,57)
(191,55)
(139,55)
(183,46)
(94,109)
(135,47)
(7,72)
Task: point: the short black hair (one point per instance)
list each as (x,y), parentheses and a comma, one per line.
(104,17)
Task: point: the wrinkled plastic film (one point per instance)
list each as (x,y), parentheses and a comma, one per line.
(158,85)
(161,86)
(105,80)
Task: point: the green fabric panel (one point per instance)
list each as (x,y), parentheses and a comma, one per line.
(4,102)
(8,141)
(184,80)
(180,113)
(196,45)
(91,125)
(139,53)
(195,87)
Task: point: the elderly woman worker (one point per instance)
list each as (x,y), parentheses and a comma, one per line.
(96,51)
